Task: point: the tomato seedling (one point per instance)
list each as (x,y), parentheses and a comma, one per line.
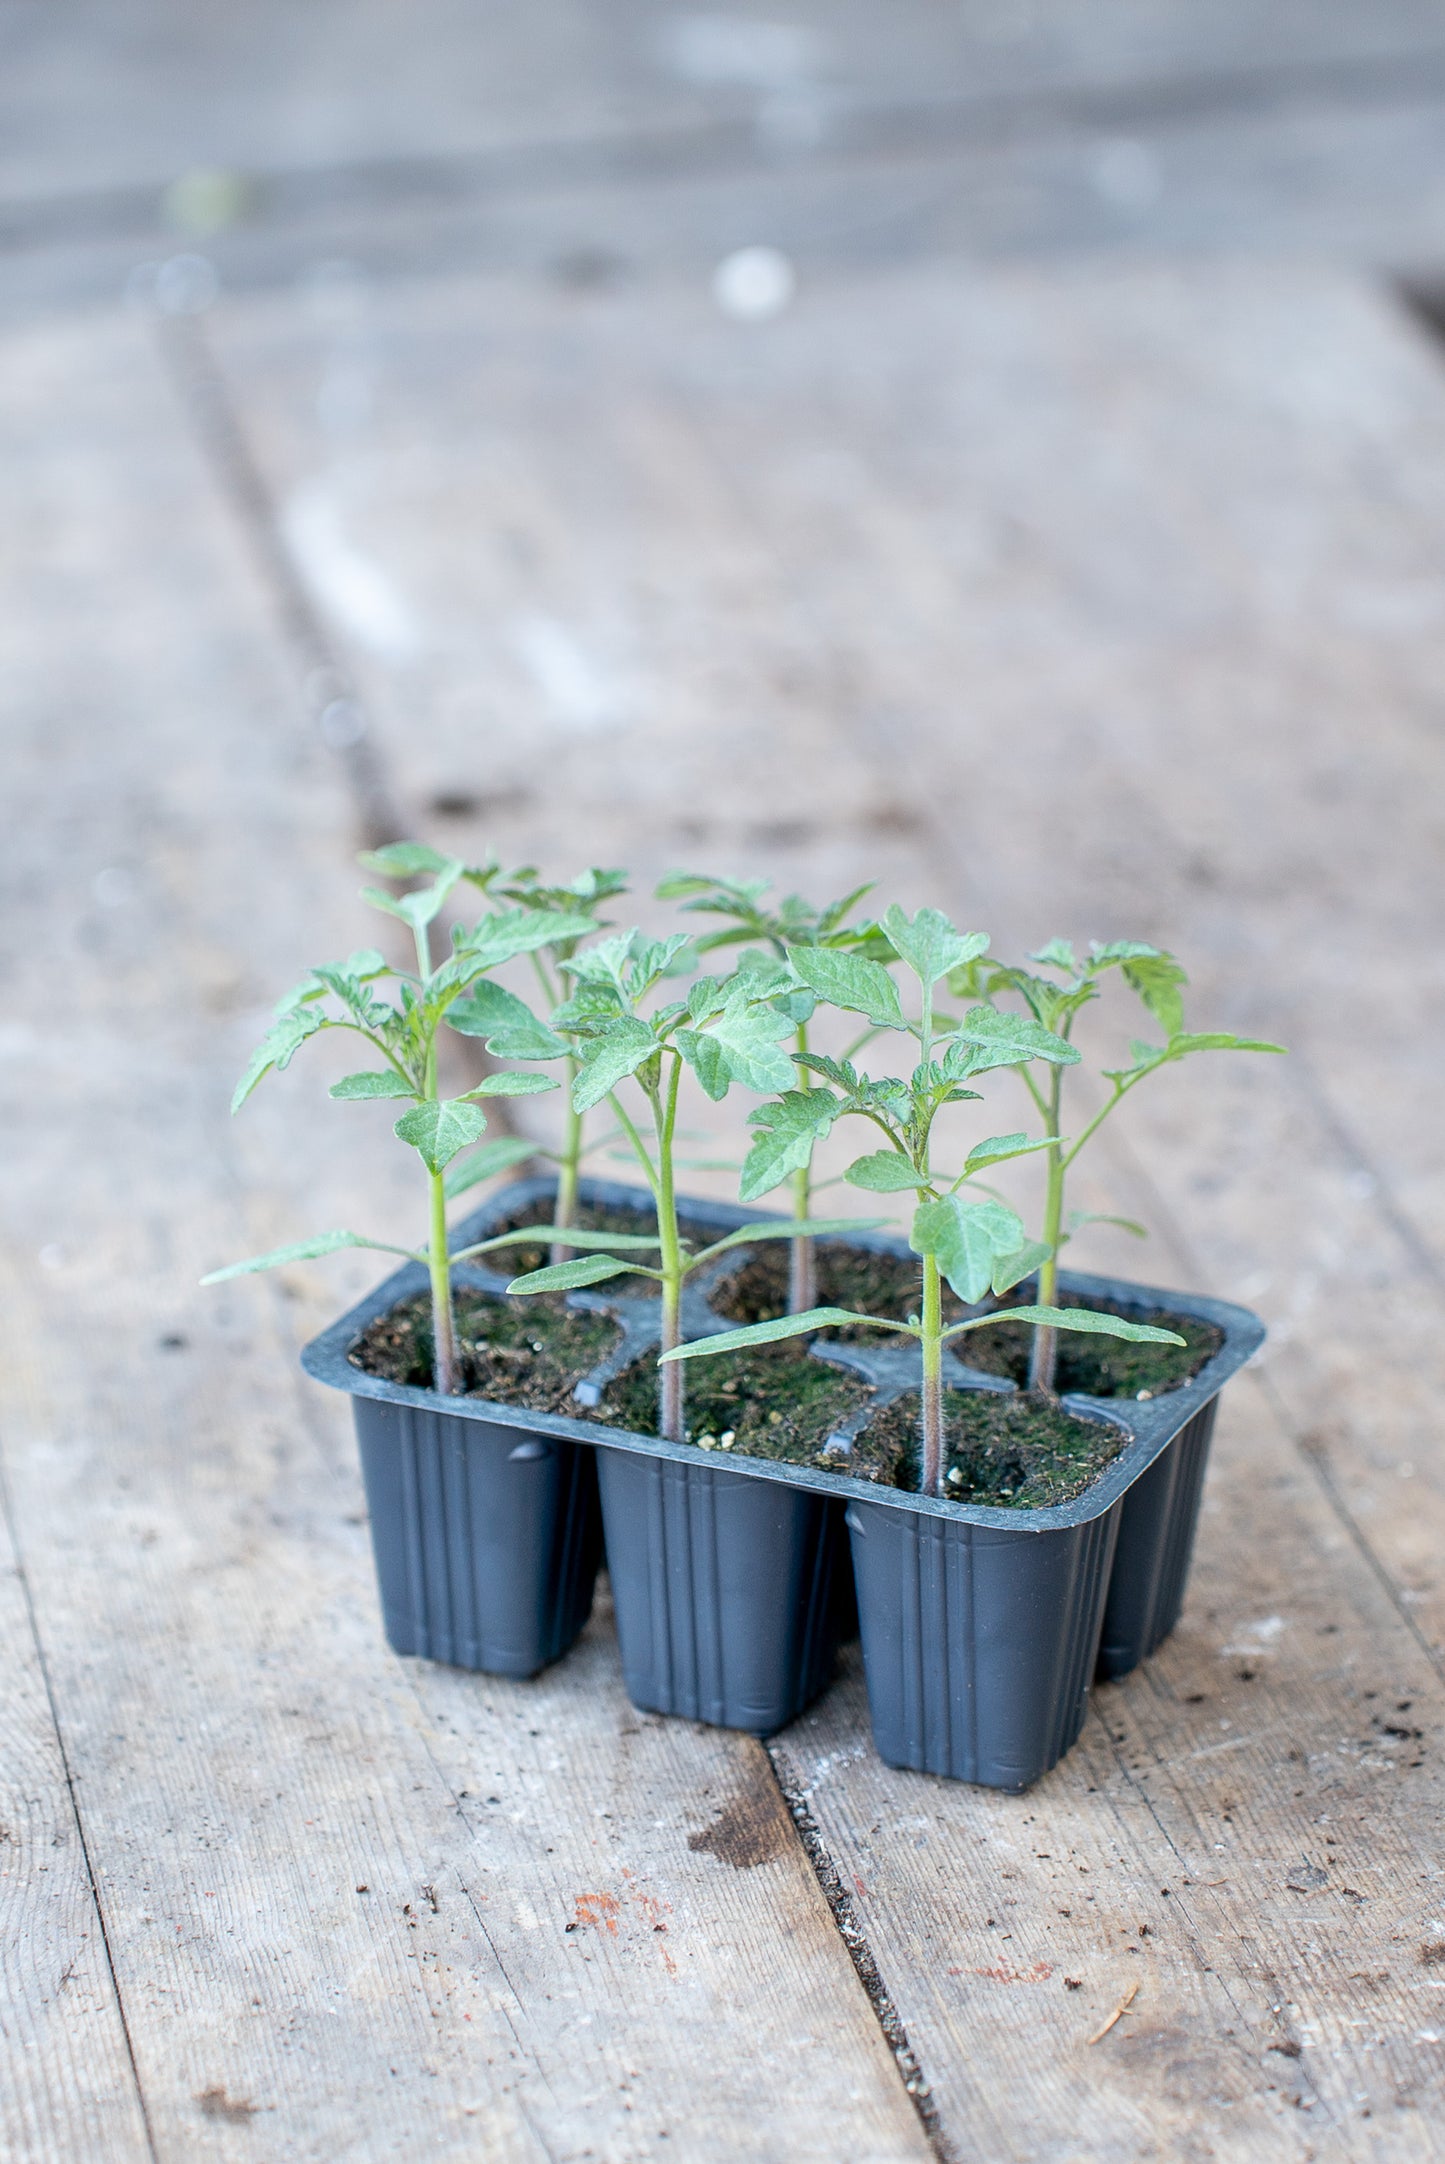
(725,1029)
(977,1245)
(792,922)
(1055,1002)
(402,1033)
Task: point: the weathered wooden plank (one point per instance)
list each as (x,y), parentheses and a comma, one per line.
(1227,1139)
(69,2088)
(1157,672)
(991,128)
(1192,534)
(1246,1830)
(322,1944)
(87,105)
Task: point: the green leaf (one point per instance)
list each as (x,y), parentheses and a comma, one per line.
(678,886)
(651,959)
(966,1239)
(491,1158)
(325,1243)
(404,860)
(768,1333)
(342,977)
(1057,954)
(791,1228)
(566,1276)
(848,980)
(706,997)
(788,1129)
(1076,1318)
(439,1128)
(383,1082)
(604,963)
(1010,1270)
(1000,1148)
(576,1236)
(418,909)
(507,1023)
(760,974)
(1110,953)
(1217,1040)
(514,1085)
(929,944)
(1010,1040)
(277,1048)
(886,1172)
(1079,1218)
(708,1061)
(510,932)
(1157,978)
(1146,1057)
(749,1033)
(626,1041)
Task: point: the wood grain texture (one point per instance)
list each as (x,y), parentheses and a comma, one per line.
(1091,604)
(69,2087)
(329,1942)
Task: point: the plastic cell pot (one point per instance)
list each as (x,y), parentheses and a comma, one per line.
(983,1627)
(726,1589)
(485,1528)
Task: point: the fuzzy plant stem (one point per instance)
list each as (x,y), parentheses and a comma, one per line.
(444,1370)
(1044,1352)
(439,1266)
(671,1397)
(931,1480)
(569,1165)
(802,1259)
(802,1265)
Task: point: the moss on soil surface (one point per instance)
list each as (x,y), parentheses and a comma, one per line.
(882,1284)
(521,1352)
(1012,1453)
(775,1401)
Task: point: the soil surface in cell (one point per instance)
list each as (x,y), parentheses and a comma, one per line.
(773,1401)
(526,1255)
(1011,1453)
(520,1352)
(892,1285)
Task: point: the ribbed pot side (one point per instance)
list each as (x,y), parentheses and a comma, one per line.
(978,1642)
(487,1538)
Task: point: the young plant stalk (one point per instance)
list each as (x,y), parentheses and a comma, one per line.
(802,1263)
(670,1408)
(931,1341)
(1044,1350)
(401,1034)
(977,1246)
(793,923)
(444,1327)
(1055,1002)
(726,1031)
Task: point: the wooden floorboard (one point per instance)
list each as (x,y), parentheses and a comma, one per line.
(1159,659)
(328,1940)
(70,2085)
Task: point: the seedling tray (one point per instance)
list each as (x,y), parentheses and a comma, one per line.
(981,1625)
